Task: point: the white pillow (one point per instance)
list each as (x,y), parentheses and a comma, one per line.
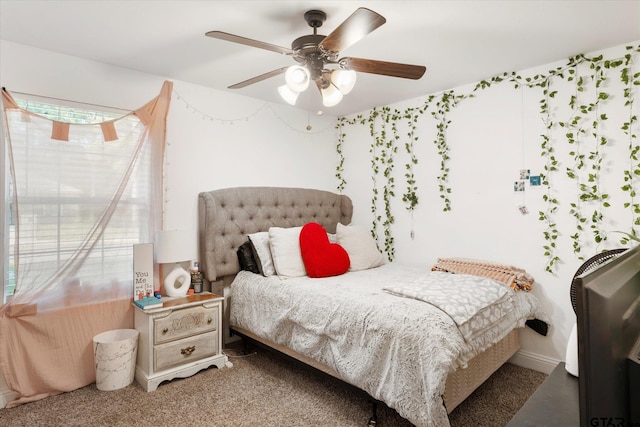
(285,250)
(360,245)
(260,243)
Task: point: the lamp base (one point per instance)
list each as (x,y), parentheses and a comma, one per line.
(177,283)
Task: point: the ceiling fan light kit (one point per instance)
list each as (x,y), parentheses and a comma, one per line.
(345,80)
(331,95)
(288,95)
(315,53)
(297,78)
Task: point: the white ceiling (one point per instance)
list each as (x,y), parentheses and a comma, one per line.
(459,42)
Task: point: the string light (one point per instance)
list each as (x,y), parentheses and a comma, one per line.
(264,107)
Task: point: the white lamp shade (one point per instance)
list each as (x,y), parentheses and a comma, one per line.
(331,96)
(344,80)
(288,95)
(175,246)
(297,78)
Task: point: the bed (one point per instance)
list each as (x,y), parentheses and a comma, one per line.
(370,326)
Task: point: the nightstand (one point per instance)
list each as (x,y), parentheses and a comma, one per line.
(178,339)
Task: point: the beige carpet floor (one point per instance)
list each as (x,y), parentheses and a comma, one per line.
(262,389)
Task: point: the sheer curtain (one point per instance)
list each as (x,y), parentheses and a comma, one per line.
(83,194)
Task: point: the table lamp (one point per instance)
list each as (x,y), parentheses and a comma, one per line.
(176,246)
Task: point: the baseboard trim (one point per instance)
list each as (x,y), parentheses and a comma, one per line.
(534,361)
(7,396)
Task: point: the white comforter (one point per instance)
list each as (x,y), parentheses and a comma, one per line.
(476,304)
(399,350)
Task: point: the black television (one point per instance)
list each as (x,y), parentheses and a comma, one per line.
(608,311)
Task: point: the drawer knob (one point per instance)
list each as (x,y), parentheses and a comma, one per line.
(165,330)
(209,320)
(188,350)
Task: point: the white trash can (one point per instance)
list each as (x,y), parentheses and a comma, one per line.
(114,354)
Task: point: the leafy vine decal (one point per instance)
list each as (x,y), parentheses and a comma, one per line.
(375,167)
(574,134)
(551,166)
(443,106)
(387,156)
(340,167)
(594,191)
(383,151)
(631,79)
(584,133)
(410,196)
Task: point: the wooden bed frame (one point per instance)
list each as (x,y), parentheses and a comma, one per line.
(227,216)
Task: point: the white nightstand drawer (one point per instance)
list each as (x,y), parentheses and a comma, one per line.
(184,351)
(178,339)
(185,323)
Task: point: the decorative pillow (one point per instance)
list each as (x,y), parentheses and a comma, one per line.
(285,250)
(262,252)
(246,259)
(321,257)
(361,247)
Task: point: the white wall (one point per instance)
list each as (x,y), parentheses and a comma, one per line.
(267,145)
(215,139)
(491,137)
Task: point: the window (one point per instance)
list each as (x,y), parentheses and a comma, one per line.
(65,189)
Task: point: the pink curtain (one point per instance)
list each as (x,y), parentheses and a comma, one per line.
(47,328)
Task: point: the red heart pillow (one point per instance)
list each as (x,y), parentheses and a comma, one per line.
(321,258)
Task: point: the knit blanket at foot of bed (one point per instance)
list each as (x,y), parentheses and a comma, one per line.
(517,278)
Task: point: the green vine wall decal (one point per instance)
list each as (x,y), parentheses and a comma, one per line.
(410,196)
(340,167)
(574,134)
(383,150)
(387,158)
(584,133)
(375,168)
(551,166)
(631,79)
(595,192)
(447,101)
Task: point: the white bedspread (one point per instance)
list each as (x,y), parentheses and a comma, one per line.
(399,350)
(474,303)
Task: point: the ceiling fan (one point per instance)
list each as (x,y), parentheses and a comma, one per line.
(316,54)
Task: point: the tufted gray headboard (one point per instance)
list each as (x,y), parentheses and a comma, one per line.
(227,215)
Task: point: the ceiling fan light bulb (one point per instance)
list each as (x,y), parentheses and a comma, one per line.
(344,80)
(288,95)
(297,78)
(331,96)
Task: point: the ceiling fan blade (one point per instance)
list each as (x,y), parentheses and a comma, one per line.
(259,78)
(355,27)
(393,69)
(249,42)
